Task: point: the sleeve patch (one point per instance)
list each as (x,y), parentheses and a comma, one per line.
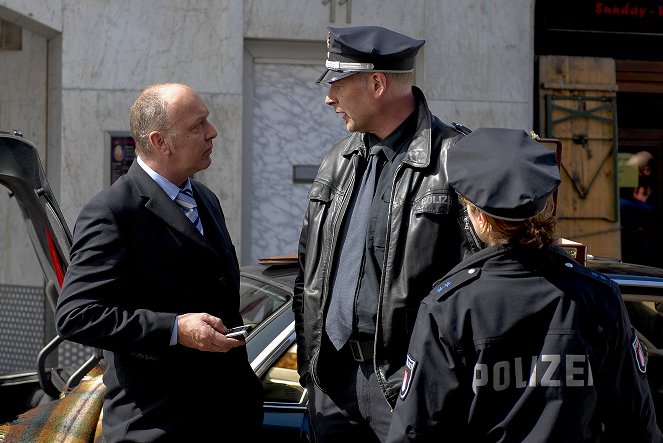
(640,354)
(410,367)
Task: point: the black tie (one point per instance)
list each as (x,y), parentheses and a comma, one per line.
(346,278)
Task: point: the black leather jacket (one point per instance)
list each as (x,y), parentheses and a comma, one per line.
(424,240)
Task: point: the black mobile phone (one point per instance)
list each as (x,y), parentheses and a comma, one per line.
(240,332)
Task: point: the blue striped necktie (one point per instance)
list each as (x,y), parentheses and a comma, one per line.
(187,204)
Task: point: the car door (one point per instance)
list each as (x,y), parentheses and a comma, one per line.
(266,304)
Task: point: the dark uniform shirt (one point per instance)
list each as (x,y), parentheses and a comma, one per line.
(518,345)
(390,151)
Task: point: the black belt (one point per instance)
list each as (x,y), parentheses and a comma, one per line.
(362,350)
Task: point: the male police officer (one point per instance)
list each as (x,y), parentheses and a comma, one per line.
(381,226)
(519,342)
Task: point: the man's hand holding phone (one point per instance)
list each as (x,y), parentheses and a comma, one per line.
(203,332)
(240,332)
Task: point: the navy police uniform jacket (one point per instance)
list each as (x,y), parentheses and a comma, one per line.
(522,345)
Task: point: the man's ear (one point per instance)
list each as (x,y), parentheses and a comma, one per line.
(158,143)
(378,84)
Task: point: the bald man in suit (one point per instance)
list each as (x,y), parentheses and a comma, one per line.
(156,287)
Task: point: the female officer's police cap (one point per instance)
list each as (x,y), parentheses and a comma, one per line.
(503,172)
(368,49)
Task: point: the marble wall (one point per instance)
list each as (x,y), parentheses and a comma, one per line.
(129,45)
(476,68)
(479,62)
(292,126)
(23,83)
(308,19)
(41,16)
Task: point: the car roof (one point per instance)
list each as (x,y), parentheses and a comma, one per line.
(614,267)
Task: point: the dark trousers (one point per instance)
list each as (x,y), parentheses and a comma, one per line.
(353,407)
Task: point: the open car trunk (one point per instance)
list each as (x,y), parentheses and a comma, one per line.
(22,175)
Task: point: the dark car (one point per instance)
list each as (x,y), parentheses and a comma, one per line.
(266,299)
(266,304)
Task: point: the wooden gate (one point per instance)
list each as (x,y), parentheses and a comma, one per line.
(578,107)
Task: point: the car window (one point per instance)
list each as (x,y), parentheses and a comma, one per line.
(281,382)
(259,300)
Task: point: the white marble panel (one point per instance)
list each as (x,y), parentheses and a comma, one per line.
(224,176)
(479,50)
(292,126)
(86,116)
(41,16)
(23,89)
(308,19)
(127,44)
(474,114)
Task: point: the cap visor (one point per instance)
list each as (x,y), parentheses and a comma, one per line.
(330,76)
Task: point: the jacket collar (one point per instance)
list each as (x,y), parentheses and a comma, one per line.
(418,154)
(166,209)
(524,254)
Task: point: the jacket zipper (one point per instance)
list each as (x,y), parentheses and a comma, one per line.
(378,317)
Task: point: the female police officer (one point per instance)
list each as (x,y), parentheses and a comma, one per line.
(519,342)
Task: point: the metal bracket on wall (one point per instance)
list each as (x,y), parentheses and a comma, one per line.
(332,9)
(589,109)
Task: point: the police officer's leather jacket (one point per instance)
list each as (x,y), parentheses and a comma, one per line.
(425,238)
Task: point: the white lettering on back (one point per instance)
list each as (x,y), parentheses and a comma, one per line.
(547,379)
(480,376)
(571,370)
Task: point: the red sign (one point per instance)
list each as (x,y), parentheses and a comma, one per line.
(610,16)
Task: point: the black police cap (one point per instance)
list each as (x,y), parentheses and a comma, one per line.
(368,49)
(503,172)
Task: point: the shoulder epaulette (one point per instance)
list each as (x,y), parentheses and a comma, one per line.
(452,282)
(461,128)
(571,265)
